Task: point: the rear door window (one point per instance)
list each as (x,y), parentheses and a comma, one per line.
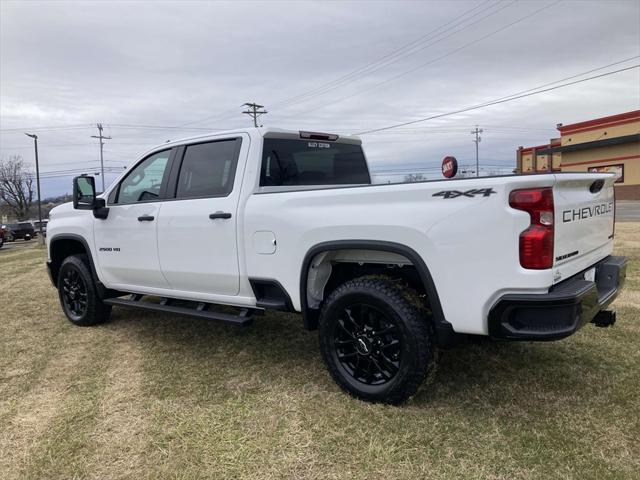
(208,169)
(312,162)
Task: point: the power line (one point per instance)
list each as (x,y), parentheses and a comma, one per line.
(52,145)
(496,102)
(82,167)
(45,129)
(157,127)
(426,135)
(493,127)
(438,169)
(388,59)
(402,51)
(80,170)
(420,167)
(75,173)
(116,125)
(393,56)
(218,116)
(60,164)
(434,60)
(573,76)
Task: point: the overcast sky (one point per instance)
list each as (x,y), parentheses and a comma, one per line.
(313,65)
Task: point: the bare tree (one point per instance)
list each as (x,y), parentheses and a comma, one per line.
(16,185)
(414,177)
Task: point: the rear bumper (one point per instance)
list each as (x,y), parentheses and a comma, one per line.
(567,307)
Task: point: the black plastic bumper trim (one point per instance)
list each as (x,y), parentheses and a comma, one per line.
(563,310)
(50,273)
(271,295)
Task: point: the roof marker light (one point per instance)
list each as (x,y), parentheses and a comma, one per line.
(318,136)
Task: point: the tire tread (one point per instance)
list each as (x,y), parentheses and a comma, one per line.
(405,301)
(97,312)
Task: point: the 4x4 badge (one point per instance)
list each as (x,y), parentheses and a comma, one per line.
(485,192)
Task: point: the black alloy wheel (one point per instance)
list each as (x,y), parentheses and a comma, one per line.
(77,291)
(74,293)
(367,344)
(377,339)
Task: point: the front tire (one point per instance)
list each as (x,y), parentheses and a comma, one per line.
(78,296)
(376,339)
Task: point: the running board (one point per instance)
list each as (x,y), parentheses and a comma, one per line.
(201,310)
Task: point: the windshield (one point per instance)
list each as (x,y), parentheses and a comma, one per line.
(312,162)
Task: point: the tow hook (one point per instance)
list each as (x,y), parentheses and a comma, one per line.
(604,318)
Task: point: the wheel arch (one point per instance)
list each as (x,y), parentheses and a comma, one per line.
(310,315)
(62,246)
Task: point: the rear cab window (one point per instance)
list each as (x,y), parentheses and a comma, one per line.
(291,162)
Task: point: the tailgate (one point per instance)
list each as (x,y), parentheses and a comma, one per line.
(584,221)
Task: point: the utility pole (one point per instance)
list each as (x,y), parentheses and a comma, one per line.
(35,144)
(101,137)
(254,112)
(477,131)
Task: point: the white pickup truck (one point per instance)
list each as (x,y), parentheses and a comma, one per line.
(226,225)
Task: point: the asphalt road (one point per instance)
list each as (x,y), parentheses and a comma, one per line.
(628,211)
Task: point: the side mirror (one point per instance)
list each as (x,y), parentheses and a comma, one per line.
(84,193)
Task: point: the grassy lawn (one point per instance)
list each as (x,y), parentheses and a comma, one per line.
(149,396)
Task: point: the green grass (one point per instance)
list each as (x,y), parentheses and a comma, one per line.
(149,396)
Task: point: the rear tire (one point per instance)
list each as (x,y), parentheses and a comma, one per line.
(78,296)
(377,339)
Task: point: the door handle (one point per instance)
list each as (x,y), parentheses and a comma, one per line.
(146,218)
(224,215)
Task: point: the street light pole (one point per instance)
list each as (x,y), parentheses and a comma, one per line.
(35,144)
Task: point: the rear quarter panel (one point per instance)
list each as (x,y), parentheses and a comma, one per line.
(468,241)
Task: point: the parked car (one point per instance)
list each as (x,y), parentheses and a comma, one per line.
(22,230)
(36,227)
(8,234)
(271,219)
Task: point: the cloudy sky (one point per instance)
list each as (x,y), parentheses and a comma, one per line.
(153,71)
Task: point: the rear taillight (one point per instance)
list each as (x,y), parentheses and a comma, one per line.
(536,242)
